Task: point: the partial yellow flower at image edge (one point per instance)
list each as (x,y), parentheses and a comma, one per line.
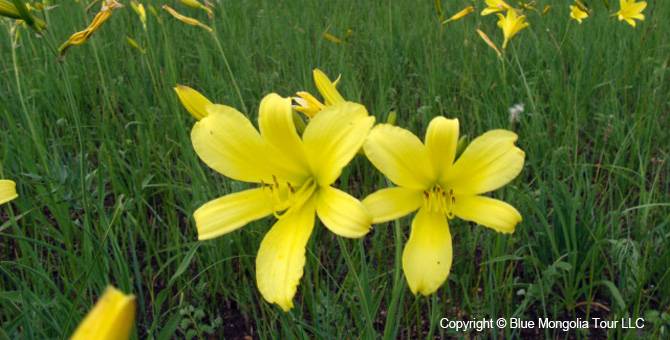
(7,191)
(111,318)
(430,181)
(294,175)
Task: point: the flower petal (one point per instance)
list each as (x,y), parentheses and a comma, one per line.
(399,155)
(327,88)
(281,257)
(427,257)
(488,212)
(7,191)
(441,141)
(228,143)
(489,162)
(111,318)
(333,137)
(231,212)
(343,214)
(391,203)
(275,120)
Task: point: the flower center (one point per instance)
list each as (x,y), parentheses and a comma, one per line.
(282,196)
(437,200)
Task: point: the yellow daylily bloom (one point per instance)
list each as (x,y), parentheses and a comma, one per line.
(511,25)
(430,181)
(194,102)
(577,14)
(111,318)
(546,10)
(186,19)
(460,14)
(488,41)
(631,10)
(295,176)
(196,4)
(309,105)
(139,10)
(7,191)
(496,6)
(100,18)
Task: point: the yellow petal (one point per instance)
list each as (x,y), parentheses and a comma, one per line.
(441,141)
(399,155)
(489,162)
(227,142)
(194,102)
(111,318)
(391,203)
(427,257)
(343,214)
(7,191)
(327,88)
(488,212)
(281,257)
(275,120)
(333,137)
(231,212)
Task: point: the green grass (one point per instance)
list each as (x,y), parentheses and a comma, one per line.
(108,180)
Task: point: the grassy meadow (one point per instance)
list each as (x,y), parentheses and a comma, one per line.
(99,146)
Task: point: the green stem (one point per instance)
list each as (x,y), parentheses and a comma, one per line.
(215,35)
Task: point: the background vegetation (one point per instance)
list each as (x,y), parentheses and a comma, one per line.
(108,180)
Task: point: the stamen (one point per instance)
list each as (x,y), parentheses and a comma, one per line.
(436,200)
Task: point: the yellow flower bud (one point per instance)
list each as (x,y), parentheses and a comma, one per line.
(194,102)
(186,19)
(196,4)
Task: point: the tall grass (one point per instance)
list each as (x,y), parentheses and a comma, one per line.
(108,180)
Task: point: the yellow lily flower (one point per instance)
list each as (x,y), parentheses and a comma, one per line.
(631,10)
(577,14)
(111,318)
(511,25)
(186,19)
(194,102)
(309,105)
(295,176)
(7,191)
(428,180)
(83,36)
(496,6)
(460,14)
